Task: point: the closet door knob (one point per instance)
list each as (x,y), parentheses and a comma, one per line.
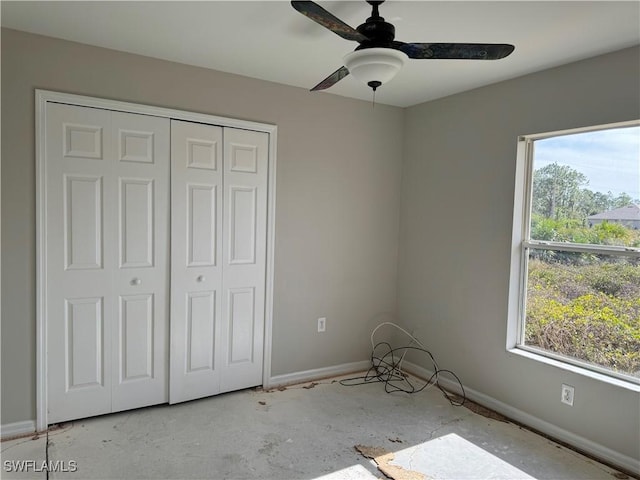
(201,278)
(136,281)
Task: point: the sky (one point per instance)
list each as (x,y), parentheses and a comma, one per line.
(610,159)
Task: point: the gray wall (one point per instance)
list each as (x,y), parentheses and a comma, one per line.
(338,194)
(455,240)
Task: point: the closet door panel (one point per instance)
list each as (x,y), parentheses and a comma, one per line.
(244,261)
(201,228)
(84,327)
(200,332)
(140,334)
(196,273)
(80,259)
(82,216)
(136,217)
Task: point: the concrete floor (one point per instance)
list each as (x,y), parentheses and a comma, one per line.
(300,433)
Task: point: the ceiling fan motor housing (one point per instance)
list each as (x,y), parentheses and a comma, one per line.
(378,32)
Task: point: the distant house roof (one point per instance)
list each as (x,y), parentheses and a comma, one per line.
(630,212)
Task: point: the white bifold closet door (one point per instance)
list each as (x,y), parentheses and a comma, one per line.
(144,212)
(218,259)
(107,224)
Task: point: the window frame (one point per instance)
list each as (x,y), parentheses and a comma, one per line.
(522,243)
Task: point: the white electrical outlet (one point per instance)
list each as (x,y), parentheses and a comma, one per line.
(567,394)
(322,324)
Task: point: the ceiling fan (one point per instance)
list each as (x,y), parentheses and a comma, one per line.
(378,57)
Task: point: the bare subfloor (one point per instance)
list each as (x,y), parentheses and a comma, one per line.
(300,433)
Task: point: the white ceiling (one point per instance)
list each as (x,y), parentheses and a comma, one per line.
(269,40)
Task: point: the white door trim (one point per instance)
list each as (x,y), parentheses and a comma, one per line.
(43,97)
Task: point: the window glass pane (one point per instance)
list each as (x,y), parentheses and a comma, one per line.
(586,188)
(585,306)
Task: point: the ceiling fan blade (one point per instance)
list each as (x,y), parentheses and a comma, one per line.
(332,79)
(319,15)
(463,51)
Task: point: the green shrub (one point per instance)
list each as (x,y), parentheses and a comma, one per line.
(575,231)
(587,312)
(611,234)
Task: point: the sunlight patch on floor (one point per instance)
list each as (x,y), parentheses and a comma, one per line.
(447,457)
(453,457)
(354,472)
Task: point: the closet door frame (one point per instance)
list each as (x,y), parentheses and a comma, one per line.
(45,97)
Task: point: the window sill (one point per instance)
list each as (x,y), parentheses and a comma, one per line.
(618,382)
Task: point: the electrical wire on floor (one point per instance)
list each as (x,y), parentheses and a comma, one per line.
(386,367)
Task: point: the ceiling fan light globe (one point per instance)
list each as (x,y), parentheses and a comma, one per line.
(374,64)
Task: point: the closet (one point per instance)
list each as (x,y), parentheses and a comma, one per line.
(155,245)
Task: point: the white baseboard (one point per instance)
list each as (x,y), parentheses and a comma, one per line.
(317,373)
(16,429)
(582,444)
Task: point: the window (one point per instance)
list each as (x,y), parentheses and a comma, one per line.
(576,250)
